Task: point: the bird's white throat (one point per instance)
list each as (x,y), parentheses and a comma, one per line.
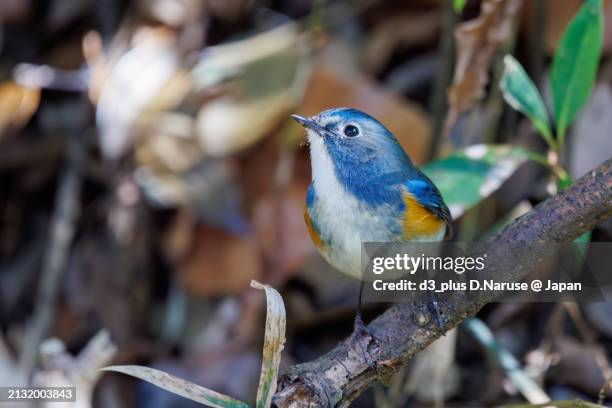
(323,174)
(340,216)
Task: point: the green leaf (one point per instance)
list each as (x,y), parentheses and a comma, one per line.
(458,5)
(575,64)
(521,93)
(468,176)
(179,386)
(563,182)
(273,345)
(584,238)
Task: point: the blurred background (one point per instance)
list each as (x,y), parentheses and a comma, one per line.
(149,171)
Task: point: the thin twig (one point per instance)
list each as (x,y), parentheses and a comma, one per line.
(62,231)
(446,59)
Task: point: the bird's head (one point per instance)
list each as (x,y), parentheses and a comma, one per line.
(352,144)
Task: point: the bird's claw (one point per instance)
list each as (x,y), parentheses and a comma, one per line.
(438,316)
(435,304)
(360,330)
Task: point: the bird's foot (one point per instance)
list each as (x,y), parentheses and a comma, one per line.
(435,303)
(359,336)
(438,316)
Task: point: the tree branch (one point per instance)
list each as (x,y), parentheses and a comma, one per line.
(338,377)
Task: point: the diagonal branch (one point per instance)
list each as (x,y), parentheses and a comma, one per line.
(338,377)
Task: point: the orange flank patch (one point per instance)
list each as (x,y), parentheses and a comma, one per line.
(314,236)
(418,221)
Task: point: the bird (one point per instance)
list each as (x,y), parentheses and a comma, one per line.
(365,188)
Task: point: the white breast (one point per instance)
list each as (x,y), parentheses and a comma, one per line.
(341,218)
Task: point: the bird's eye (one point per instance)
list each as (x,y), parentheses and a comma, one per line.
(351,131)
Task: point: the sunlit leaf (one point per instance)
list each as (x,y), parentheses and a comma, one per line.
(264,71)
(273,345)
(17,105)
(470,175)
(179,386)
(521,93)
(131,88)
(575,64)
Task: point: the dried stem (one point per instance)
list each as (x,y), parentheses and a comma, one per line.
(62,231)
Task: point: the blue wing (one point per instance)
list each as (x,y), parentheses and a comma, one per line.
(427,195)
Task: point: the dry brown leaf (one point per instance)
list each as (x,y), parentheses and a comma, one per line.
(408,122)
(177,238)
(97,63)
(179,386)
(143,79)
(164,142)
(265,72)
(219,263)
(607,38)
(279,224)
(225,125)
(229,10)
(274,343)
(402,31)
(477,41)
(17,105)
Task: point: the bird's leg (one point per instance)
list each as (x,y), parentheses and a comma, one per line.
(359,329)
(359,325)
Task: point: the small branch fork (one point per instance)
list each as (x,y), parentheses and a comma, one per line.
(338,377)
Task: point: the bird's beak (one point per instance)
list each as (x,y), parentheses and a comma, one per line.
(309,123)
